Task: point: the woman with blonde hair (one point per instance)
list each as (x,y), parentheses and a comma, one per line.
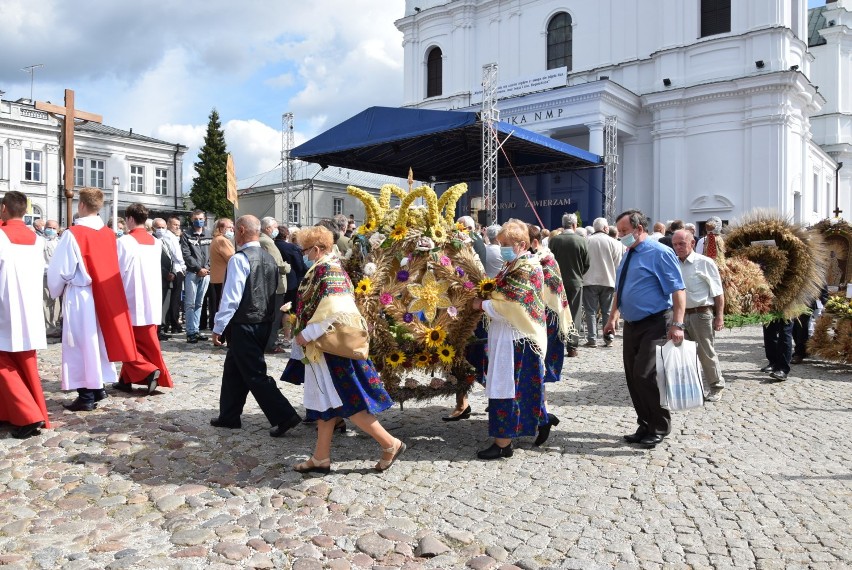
(335,387)
(517,341)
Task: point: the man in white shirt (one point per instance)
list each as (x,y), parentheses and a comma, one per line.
(705,309)
(493,260)
(52,307)
(599,281)
(172,239)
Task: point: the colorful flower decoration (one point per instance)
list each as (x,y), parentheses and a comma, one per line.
(402,276)
(407,317)
(461,227)
(459,271)
(394,359)
(422,360)
(362,229)
(369,269)
(429,296)
(453,312)
(435,337)
(364,286)
(444,260)
(398,233)
(487,286)
(386,298)
(446,353)
(468,285)
(438,233)
(370,225)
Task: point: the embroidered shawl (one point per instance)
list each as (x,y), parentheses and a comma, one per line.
(553,293)
(517,298)
(326,296)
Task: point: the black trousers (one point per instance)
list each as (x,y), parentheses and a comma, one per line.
(245,371)
(575,305)
(641,339)
(175,303)
(801,326)
(778,344)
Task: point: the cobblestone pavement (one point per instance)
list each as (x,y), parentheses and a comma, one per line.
(762,479)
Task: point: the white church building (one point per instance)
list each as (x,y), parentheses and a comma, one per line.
(722,106)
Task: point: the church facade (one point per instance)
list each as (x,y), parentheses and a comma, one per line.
(721,106)
(149,170)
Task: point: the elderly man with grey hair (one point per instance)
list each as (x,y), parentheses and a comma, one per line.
(475,238)
(493,259)
(572,255)
(343,242)
(268,233)
(599,281)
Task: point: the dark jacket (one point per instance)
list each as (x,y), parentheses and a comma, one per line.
(196,251)
(258,302)
(292,254)
(572,255)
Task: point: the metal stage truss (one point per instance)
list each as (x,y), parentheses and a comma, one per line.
(490,147)
(611,166)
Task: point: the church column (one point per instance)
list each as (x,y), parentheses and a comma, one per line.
(596,137)
(16,164)
(52,176)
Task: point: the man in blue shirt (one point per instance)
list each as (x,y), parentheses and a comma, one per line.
(648,284)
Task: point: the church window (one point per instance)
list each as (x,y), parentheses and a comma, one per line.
(32,165)
(96,173)
(715,17)
(560,41)
(137,178)
(434,72)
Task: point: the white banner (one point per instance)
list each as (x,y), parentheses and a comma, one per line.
(548,80)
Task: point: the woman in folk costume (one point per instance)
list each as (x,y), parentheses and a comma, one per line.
(335,387)
(517,340)
(560,325)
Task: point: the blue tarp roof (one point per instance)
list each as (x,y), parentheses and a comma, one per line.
(446,145)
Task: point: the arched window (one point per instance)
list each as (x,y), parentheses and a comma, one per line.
(560,41)
(434,72)
(715,17)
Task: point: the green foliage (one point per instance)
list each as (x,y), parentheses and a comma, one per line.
(210,186)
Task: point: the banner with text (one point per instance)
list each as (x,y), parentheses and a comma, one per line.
(548,80)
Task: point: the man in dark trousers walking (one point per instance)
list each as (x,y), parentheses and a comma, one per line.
(245,318)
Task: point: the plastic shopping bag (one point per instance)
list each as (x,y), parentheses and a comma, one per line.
(679,376)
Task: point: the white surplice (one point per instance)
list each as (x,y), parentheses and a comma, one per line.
(21,278)
(143,284)
(85,363)
(500,378)
(320,392)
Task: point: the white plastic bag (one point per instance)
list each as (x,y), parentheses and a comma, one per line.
(679,376)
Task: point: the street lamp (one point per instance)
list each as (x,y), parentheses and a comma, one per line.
(115,204)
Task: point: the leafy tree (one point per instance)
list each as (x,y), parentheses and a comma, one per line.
(210,186)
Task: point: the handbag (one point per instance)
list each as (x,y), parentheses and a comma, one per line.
(679,376)
(345,341)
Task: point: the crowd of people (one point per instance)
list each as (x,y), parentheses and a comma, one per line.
(113,296)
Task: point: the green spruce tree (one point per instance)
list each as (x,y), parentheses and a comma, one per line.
(210,186)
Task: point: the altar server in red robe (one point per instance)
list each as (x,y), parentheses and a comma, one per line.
(22,329)
(96,329)
(139,256)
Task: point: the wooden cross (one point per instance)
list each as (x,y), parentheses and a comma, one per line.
(70,115)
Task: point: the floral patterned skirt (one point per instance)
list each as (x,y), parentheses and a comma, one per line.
(555,355)
(359,386)
(521,416)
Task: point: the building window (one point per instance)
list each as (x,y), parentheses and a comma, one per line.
(161,182)
(338,207)
(293,212)
(715,17)
(79,172)
(137,178)
(560,41)
(32,165)
(96,173)
(434,72)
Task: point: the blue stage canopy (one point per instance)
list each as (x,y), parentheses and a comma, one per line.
(438,145)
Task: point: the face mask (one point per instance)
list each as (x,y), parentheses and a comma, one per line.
(198,223)
(50,233)
(160,233)
(627,240)
(229,234)
(507,252)
(274,233)
(119,233)
(308,262)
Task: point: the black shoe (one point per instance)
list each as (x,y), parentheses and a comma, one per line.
(163,336)
(571,353)
(778,375)
(79,405)
(218,422)
(177,330)
(641,432)
(26,431)
(767,368)
(462,416)
(152,381)
(797,359)
(495,452)
(651,440)
(285,426)
(101,395)
(201,337)
(544,431)
(122,387)
(192,339)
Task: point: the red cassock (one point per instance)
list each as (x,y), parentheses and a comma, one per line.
(21,395)
(147,344)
